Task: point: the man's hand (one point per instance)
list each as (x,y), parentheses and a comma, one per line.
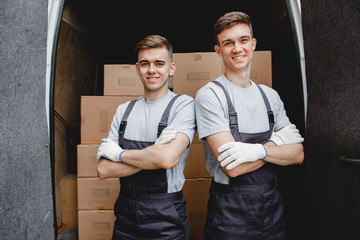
(287,135)
(109,150)
(235,153)
(167,135)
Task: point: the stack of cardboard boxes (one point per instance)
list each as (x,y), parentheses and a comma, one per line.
(96,197)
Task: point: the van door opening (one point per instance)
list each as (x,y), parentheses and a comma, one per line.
(92,34)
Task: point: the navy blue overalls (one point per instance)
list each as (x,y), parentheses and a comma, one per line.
(250,207)
(144,209)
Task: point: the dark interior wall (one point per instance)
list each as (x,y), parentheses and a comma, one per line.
(332,49)
(76,69)
(26,199)
(120,25)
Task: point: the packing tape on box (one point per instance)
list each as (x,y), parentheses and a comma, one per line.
(103,121)
(194,76)
(197,57)
(126,82)
(100,193)
(101,226)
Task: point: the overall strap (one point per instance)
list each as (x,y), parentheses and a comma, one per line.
(233,118)
(164,119)
(124,122)
(269,111)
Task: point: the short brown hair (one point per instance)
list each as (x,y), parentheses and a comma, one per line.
(230,19)
(154,41)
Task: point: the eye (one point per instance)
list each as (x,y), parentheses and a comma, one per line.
(144,64)
(245,40)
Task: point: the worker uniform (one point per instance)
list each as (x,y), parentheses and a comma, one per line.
(151,204)
(248,206)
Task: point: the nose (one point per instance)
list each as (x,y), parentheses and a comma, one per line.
(237,47)
(151,69)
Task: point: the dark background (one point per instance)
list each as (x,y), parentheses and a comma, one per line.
(321,196)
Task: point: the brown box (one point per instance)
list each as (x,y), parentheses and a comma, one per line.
(196,192)
(195,166)
(194,70)
(261,68)
(96,224)
(97,113)
(94,193)
(68,191)
(86,160)
(122,79)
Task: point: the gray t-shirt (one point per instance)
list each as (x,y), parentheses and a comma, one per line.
(143,124)
(212,115)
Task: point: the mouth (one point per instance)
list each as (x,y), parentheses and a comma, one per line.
(238,57)
(152,79)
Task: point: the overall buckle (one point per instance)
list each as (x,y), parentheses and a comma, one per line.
(122,127)
(271,117)
(233,118)
(161,127)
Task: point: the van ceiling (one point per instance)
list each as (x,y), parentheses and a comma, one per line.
(119,25)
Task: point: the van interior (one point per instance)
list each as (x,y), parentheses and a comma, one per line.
(94,33)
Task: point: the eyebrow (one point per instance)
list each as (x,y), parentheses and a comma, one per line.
(229,39)
(146,61)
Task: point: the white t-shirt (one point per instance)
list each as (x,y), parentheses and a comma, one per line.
(143,121)
(212,115)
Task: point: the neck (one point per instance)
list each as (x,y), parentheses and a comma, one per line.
(155,95)
(240,78)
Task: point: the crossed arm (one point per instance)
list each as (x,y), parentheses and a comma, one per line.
(283,155)
(153,157)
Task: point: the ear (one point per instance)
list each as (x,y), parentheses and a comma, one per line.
(137,68)
(172,69)
(218,50)
(254,43)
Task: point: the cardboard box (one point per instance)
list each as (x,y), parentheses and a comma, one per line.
(195,166)
(122,79)
(96,224)
(68,192)
(196,192)
(261,68)
(94,193)
(97,113)
(86,160)
(194,70)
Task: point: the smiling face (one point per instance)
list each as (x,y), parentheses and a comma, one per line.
(154,68)
(236,47)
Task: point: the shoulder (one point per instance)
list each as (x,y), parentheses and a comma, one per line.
(184,104)
(182,100)
(122,107)
(208,92)
(185,99)
(270,92)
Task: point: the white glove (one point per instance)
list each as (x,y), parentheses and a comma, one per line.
(110,150)
(167,135)
(235,153)
(287,135)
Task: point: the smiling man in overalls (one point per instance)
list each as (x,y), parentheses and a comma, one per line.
(147,147)
(236,119)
